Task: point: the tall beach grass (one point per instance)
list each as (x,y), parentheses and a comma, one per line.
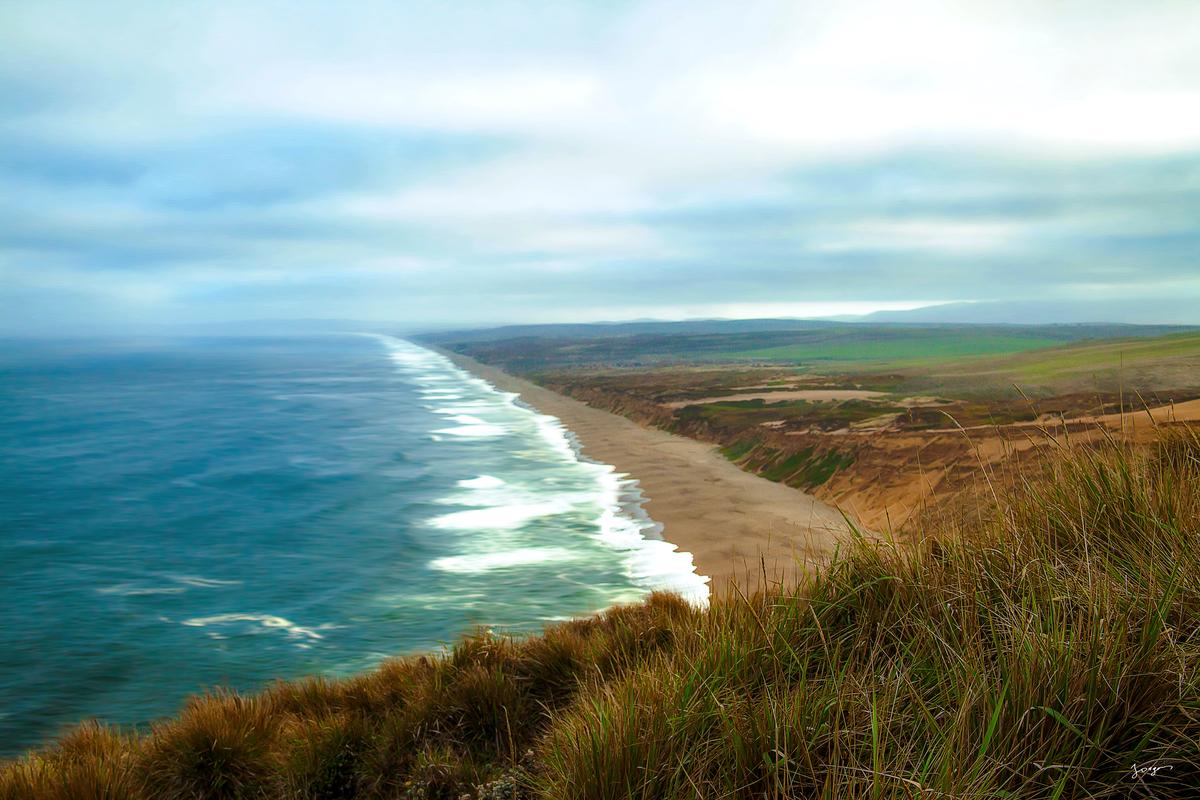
(1046,645)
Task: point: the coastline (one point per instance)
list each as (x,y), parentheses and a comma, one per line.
(737,526)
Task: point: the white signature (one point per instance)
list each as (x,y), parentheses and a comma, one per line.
(1148,772)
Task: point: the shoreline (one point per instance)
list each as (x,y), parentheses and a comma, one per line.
(737,526)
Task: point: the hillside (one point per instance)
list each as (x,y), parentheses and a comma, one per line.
(534,348)
(1042,646)
(880,420)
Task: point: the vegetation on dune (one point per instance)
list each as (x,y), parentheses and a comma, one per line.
(1044,646)
(729,420)
(737,450)
(428,727)
(803,469)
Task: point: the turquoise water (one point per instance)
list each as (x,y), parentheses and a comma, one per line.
(186,514)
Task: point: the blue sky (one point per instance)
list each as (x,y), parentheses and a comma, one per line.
(470,163)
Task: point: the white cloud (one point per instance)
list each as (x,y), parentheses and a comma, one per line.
(863,74)
(604,121)
(938,235)
(672,96)
(799,310)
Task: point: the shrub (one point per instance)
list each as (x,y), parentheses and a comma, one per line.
(222,747)
(92,762)
(324,757)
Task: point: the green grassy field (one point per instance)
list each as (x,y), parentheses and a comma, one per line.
(1092,357)
(898,349)
(965,363)
(1142,365)
(816,345)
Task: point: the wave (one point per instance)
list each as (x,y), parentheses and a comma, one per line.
(499,517)
(133,590)
(481,430)
(270,621)
(476,563)
(481,412)
(482,482)
(184,582)
(196,580)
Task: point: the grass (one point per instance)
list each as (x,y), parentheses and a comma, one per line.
(804,469)
(735,416)
(737,450)
(1092,357)
(918,346)
(965,363)
(1043,645)
(979,362)
(559,347)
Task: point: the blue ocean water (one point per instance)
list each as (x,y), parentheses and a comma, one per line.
(180,515)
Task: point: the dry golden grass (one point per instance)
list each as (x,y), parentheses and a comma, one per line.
(1046,646)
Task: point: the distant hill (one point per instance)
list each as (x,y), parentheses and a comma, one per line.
(539,347)
(1182,312)
(1067,329)
(598,330)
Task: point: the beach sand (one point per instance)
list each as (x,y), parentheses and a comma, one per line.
(736,525)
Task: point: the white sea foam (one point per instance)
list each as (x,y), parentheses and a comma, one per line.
(484,412)
(293,630)
(471,407)
(482,430)
(499,517)
(492,492)
(196,580)
(467,419)
(476,563)
(133,590)
(482,482)
(554,433)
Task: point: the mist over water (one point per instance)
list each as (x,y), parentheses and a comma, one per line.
(180,515)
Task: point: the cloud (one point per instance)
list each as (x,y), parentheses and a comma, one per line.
(530,160)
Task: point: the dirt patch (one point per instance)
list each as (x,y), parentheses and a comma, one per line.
(924,402)
(811,395)
(875,423)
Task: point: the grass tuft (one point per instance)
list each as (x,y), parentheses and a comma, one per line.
(324,757)
(222,747)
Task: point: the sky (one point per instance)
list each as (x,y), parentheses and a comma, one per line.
(453,163)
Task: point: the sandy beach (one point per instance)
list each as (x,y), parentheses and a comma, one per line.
(736,525)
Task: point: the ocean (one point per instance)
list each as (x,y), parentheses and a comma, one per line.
(181,515)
